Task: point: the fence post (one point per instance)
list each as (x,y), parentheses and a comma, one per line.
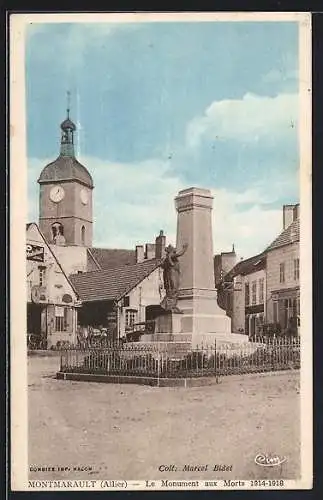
(158,364)
(202,357)
(216,363)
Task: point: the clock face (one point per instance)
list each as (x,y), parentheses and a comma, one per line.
(84,196)
(56,194)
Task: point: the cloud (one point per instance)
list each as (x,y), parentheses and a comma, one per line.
(245,220)
(133,201)
(246,120)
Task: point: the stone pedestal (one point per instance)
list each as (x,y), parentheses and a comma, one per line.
(197,299)
(169,322)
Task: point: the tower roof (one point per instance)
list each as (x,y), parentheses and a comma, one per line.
(68,124)
(65,168)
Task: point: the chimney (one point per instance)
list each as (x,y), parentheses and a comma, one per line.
(296,214)
(290,213)
(160,244)
(150,251)
(140,255)
(228,260)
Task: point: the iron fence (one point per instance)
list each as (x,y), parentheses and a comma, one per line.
(161,361)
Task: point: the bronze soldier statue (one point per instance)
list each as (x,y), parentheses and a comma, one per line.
(171,273)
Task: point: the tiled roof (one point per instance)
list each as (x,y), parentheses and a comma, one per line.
(109,258)
(247,266)
(286,237)
(111,284)
(65,168)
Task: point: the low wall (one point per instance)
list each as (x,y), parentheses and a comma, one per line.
(163,382)
(43,353)
(152,381)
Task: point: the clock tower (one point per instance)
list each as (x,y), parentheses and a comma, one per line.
(65,198)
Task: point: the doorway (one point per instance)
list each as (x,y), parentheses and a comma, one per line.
(252,326)
(34,319)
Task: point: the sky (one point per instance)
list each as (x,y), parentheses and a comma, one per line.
(164,106)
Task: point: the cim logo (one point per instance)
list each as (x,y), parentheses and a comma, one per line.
(269,460)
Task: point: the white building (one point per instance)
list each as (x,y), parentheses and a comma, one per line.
(283,273)
(120,297)
(243,294)
(265,289)
(52,301)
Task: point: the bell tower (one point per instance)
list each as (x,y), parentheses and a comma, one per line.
(65,197)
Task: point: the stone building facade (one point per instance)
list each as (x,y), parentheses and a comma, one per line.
(255,300)
(52,301)
(263,292)
(283,273)
(242,293)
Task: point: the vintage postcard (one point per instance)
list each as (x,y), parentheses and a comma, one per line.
(161,325)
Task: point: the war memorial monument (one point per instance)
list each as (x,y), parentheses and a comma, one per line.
(192,314)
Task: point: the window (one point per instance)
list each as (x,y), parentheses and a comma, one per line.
(282,272)
(58,233)
(131,317)
(247,294)
(237,284)
(296,269)
(42,275)
(59,324)
(252,328)
(259,324)
(83,235)
(246,325)
(285,313)
(254,292)
(59,319)
(65,318)
(261,290)
(275,312)
(57,229)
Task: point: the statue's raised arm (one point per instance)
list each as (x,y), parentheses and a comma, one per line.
(181,252)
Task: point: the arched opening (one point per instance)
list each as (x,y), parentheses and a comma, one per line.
(58,233)
(83,235)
